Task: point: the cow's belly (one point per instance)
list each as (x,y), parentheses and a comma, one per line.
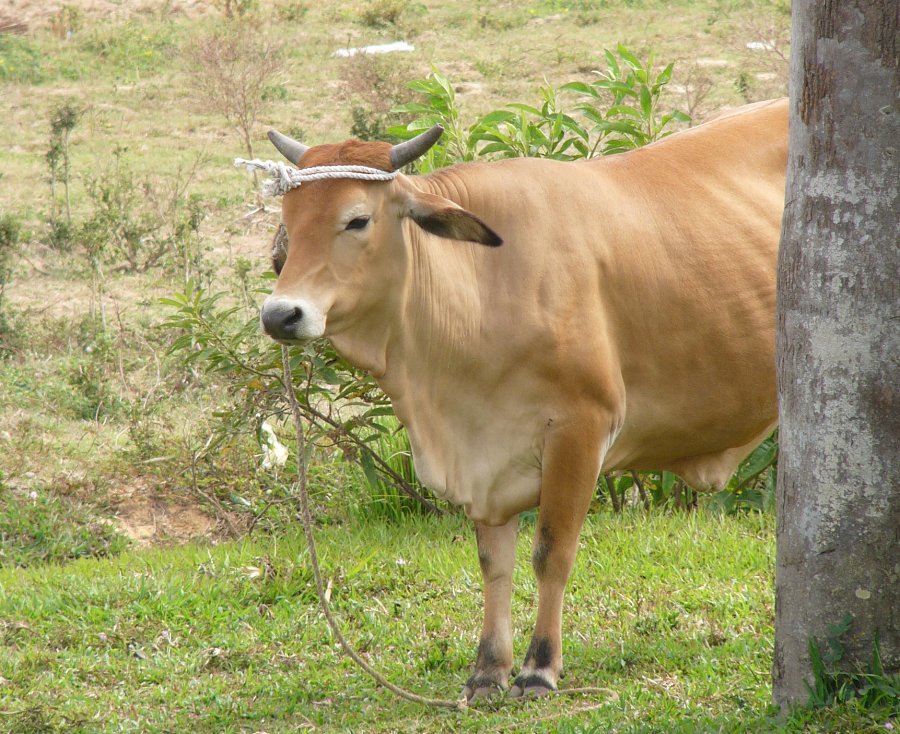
(493,475)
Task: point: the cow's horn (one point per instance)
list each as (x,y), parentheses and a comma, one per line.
(288,147)
(403,153)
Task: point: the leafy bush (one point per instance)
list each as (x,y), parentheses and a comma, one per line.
(622,110)
(139,224)
(751,489)
(372,86)
(90,397)
(527,131)
(630,95)
(753,485)
(292,11)
(343,405)
(439,108)
(382,13)
(66,21)
(62,121)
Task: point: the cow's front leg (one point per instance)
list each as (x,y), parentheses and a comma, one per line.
(497,557)
(570,467)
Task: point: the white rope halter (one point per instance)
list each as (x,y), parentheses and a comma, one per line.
(283,178)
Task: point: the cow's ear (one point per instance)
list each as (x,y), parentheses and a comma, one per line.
(444,218)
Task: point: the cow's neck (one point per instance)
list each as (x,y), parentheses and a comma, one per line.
(428,325)
(440,309)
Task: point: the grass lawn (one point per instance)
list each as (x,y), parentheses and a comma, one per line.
(671,613)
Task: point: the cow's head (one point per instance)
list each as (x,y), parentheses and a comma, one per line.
(345,250)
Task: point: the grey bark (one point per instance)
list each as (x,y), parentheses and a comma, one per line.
(838,326)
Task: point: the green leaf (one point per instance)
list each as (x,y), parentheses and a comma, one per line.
(369,470)
(622,109)
(493,118)
(413,108)
(611,62)
(580,88)
(668,482)
(646,102)
(761,457)
(665,75)
(630,58)
(620,88)
(525,108)
(379,411)
(498,148)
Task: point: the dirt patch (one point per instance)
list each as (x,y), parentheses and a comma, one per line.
(151,518)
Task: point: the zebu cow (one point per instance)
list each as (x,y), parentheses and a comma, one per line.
(626,322)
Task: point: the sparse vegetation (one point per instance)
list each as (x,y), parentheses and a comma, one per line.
(9,240)
(20,61)
(46,527)
(233,67)
(382,13)
(373,86)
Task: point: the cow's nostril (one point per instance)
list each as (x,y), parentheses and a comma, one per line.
(292,318)
(281,320)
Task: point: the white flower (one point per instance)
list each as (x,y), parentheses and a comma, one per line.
(275,453)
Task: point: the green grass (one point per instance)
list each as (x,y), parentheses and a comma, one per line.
(40,527)
(671,613)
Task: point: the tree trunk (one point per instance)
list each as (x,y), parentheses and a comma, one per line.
(838,493)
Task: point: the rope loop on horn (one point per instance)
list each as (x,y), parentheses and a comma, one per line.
(283,178)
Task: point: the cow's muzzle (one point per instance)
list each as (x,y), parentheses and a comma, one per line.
(291,319)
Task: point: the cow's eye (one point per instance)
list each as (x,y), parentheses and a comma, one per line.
(279,249)
(358,223)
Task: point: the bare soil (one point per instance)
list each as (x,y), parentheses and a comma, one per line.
(149,516)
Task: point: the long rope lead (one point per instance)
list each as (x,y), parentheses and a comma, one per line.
(306,519)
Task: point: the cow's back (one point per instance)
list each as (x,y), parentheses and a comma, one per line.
(644,281)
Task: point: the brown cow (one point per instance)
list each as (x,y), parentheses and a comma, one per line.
(626,322)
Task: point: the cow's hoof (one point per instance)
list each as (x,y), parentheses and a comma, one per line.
(482,688)
(533,685)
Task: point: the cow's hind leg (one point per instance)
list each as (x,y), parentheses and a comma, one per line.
(570,467)
(497,557)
